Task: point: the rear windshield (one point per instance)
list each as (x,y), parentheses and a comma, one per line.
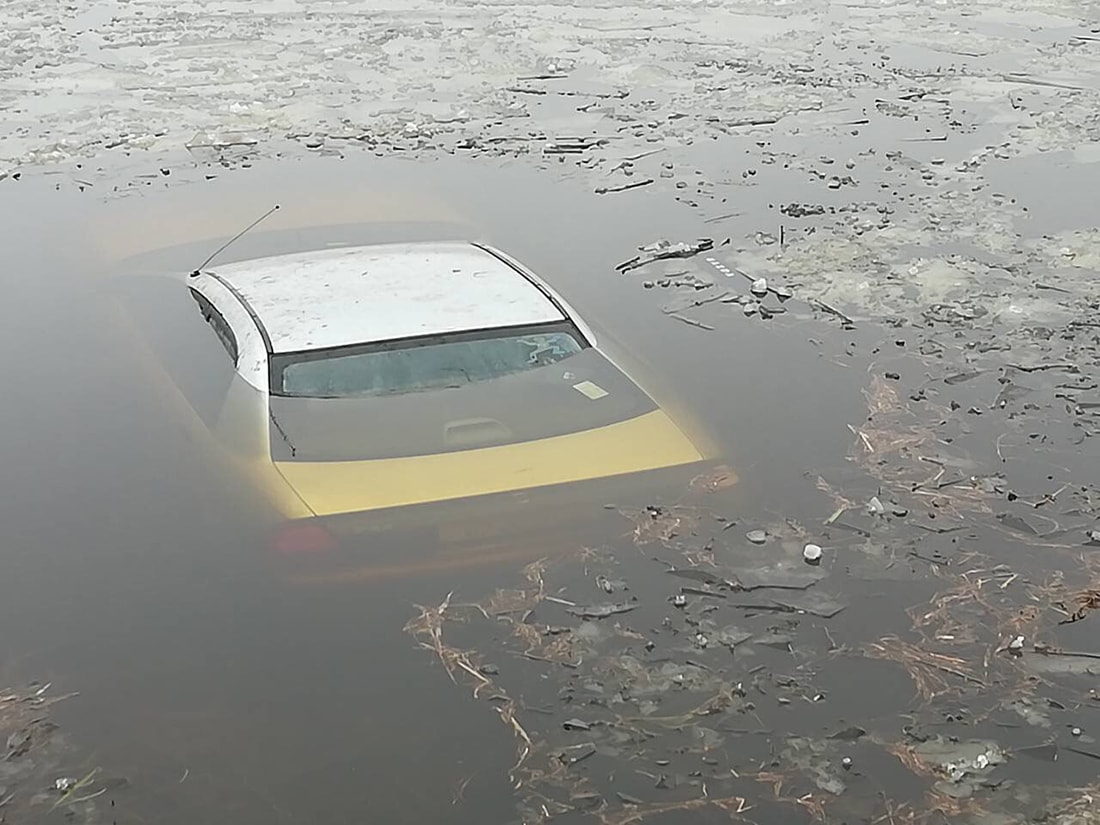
(444,396)
(429,363)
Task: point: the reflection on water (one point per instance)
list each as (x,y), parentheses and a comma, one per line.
(133,574)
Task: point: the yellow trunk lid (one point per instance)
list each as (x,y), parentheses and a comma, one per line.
(647,442)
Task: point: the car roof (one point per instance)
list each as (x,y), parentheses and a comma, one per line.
(384,292)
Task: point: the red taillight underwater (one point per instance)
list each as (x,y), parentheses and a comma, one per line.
(300,538)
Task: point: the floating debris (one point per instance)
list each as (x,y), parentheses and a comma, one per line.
(782,574)
(809,601)
(663,250)
(1060,662)
(602,611)
(625,187)
(964,766)
(710,651)
(32,781)
(731,636)
(849,734)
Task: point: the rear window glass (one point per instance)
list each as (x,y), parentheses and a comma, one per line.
(423,364)
(525,401)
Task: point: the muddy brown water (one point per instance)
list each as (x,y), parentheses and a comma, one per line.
(131,574)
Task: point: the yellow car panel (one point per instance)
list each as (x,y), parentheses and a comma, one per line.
(650,441)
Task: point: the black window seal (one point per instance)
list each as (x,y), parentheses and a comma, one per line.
(247,308)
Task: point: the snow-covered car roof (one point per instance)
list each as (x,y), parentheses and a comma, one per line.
(356,295)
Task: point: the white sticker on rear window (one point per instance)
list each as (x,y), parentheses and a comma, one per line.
(591,390)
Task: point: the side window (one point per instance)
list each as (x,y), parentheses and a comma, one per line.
(218,324)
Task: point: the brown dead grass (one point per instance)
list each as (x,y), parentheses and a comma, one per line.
(892,447)
(732,806)
(720,478)
(536,771)
(928,670)
(1081,807)
(662,525)
(1074,603)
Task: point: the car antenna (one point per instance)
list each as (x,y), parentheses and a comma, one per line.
(282,432)
(224,246)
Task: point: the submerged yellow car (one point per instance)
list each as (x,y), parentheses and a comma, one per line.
(349,384)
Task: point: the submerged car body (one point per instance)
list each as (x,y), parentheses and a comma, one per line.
(346,383)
